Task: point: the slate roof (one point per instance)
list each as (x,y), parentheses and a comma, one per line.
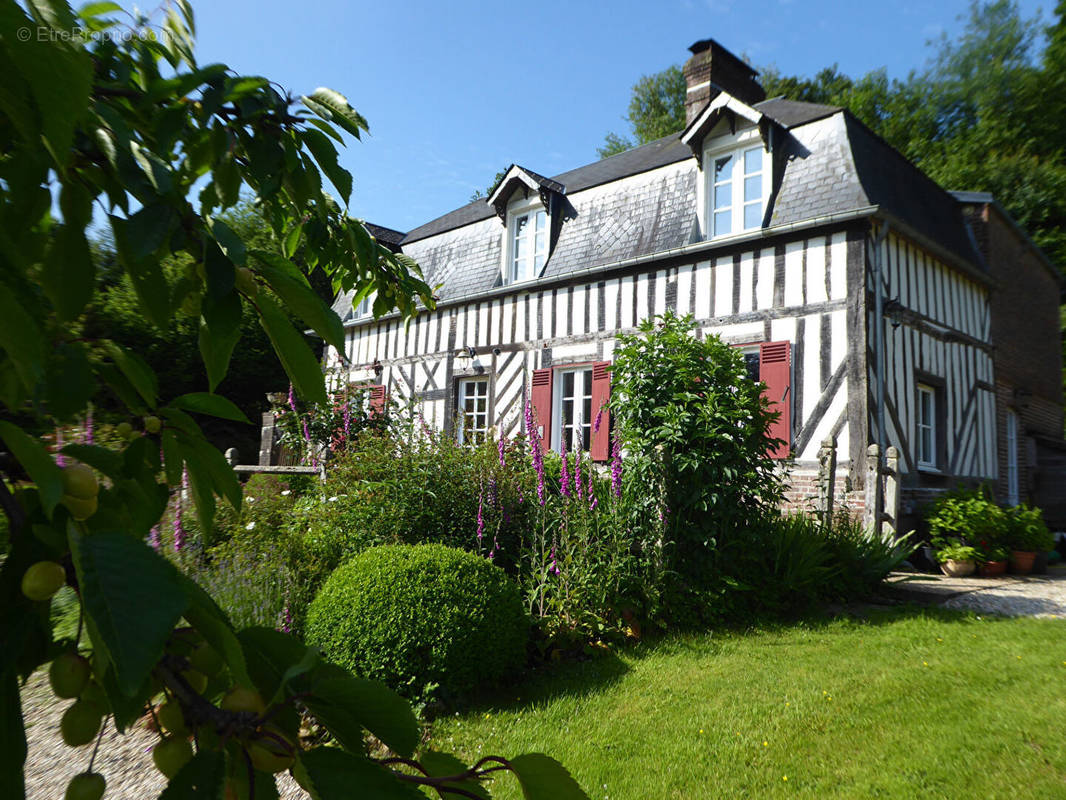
(643,201)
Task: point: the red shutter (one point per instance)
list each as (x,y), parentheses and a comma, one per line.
(775,371)
(377,401)
(541,400)
(601,393)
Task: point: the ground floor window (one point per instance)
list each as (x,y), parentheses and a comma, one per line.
(1013,489)
(473,410)
(926,427)
(573,410)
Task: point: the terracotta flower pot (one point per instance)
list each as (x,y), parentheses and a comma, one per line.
(957,569)
(1021,561)
(992,568)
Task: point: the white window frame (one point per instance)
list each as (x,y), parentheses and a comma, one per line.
(1013,475)
(582,389)
(737,145)
(365,308)
(926,460)
(468,431)
(528,208)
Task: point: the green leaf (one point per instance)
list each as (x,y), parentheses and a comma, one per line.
(90,10)
(145,273)
(126,709)
(441,765)
(334,107)
(69,272)
(326,156)
(203,778)
(220,329)
(137,372)
(101,458)
(347,704)
(544,778)
(204,614)
(269,654)
(300,298)
(227,182)
(214,405)
(37,462)
(132,598)
(208,460)
(21,339)
(12,739)
(173,461)
(332,774)
(300,363)
(69,383)
(228,241)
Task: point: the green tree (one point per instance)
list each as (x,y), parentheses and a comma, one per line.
(128,120)
(656,109)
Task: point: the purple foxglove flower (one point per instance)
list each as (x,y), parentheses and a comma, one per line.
(564,476)
(480,521)
(597,421)
(499,448)
(616,469)
(153,538)
(61,460)
(87,431)
(577,476)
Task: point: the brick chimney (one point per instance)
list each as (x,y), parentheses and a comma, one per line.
(713,69)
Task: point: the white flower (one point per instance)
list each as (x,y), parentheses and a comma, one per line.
(251,499)
(286,493)
(333,499)
(249,526)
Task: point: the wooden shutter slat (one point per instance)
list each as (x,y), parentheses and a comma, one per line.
(601,393)
(540,397)
(775,370)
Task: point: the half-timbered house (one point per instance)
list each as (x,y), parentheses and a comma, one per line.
(872,302)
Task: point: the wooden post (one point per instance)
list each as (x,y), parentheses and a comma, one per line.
(874,498)
(890,525)
(827,468)
(232,458)
(267,438)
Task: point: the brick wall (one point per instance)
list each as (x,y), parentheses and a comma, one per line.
(802,493)
(1028,348)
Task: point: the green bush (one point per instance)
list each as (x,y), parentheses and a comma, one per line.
(419,618)
(968,517)
(1027,530)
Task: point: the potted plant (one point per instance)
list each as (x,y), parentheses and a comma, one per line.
(993,560)
(957,560)
(1029,540)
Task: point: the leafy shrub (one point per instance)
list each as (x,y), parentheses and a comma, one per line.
(418,617)
(864,556)
(1027,530)
(957,552)
(699,478)
(967,517)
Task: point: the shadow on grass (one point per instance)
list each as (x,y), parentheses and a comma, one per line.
(579,678)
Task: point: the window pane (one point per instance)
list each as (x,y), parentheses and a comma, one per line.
(519,248)
(753,188)
(926,410)
(723,222)
(568,412)
(586,437)
(538,263)
(520,226)
(753,160)
(723,196)
(568,384)
(586,382)
(541,242)
(723,168)
(753,215)
(541,220)
(751,364)
(927,445)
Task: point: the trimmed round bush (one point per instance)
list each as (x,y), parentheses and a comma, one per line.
(421,616)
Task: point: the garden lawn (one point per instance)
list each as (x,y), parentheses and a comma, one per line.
(910,703)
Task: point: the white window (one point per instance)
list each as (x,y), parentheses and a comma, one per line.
(365,307)
(736,189)
(1013,490)
(529,245)
(572,410)
(926,427)
(473,413)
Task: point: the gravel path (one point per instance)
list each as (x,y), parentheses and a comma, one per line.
(1009,595)
(124,760)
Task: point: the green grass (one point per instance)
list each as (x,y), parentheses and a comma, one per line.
(911,703)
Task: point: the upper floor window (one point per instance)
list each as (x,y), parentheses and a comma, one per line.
(365,307)
(736,190)
(529,245)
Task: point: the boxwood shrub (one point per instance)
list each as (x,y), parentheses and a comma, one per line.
(424,619)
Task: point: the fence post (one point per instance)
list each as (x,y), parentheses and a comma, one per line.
(267,438)
(874,498)
(827,468)
(890,524)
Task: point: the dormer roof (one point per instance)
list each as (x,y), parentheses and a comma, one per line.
(520,177)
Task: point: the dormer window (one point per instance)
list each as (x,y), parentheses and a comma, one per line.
(733,143)
(526,203)
(365,307)
(529,245)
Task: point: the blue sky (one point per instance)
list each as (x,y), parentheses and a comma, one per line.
(456,90)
